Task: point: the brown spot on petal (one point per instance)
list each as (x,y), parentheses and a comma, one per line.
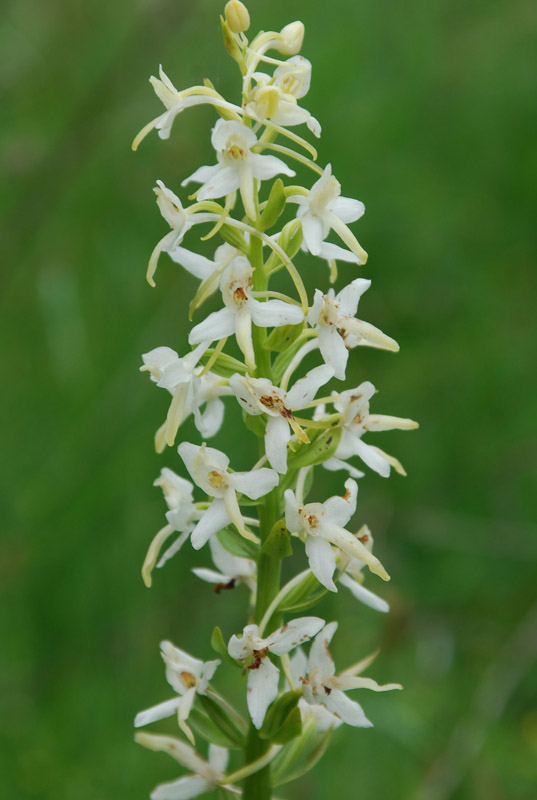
(327,689)
(188,679)
(259,655)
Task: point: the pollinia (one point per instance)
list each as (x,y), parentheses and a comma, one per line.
(251,351)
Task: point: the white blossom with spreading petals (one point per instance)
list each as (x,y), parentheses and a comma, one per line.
(241,309)
(179,220)
(233,569)
(323,524)
(353,407)
(208,469)
(238,167)
(188,676)
(259,396)
(190,391)
(207,775)
(181,517)
(276,98)
(335,317)
(323,210)
(322,686)
(176,102)
(322,718)
(263,675)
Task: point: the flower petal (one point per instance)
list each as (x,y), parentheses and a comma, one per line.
(293,633)
(333,350)
(277,435)
(305,389)
(322,561)
(217,325)
(256,483)
(156,713)
(320,657)
(214,519)
(348,209)
(346,709)
(364,595)
(274,313)
(262,690)
(340,509)
(348,297)
(182,789)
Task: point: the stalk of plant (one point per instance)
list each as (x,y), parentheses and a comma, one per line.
(253,351)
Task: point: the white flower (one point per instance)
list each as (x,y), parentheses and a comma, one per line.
(181,517)
(352,577)
(241,308)
(276,98)
(233,569)
(207,775)
(179,220)
(188,676)
(334,315)
(259,396)
(323,524)
(262,674)
(237,166)
(353,406)
(322,209)
(208,468)
(322,718)
(175,102)
(322,686)
(189,391)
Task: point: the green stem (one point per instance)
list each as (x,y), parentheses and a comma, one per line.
(257,786)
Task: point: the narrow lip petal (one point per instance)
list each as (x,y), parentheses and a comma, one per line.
(156,713)
(322,561)
(182,789)
(214,519)
(365,596)
(262,690)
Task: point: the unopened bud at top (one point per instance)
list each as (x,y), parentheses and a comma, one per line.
(237,16)
(292,38)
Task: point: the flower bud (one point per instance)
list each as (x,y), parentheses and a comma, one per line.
(237,16)
(292,38)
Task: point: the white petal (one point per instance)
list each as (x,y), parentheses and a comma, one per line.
(322,561)
(320,657)
(299,665)
(340,509)
(240,648)
(382,422)
(218,325)
(312,228)
(243,332)
(266,167)
(210,421)
(214,519)
(182,789)
(262,690)
(224,180)
(305,389)
(277,435)
(256,483)
(364,595)
(334,251)
(333,350)
(335,464)
(346,709)
(273,313)
(210,575)
(353,547)
(348,209)
(228,563)
(197,265)
(218,757)
(292,517)
(370,456)
(315,311)
(156,713)
(201,175)
(186,703)
(293,633)
(348,297)
(175,748)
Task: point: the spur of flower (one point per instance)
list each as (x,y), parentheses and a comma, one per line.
(258,396)
(238,166)
(188,676)
(208,468)
(321,685)
(334,316)
(353,408)
(321,525)
(233,569)
(241,308)
(206,776)
(252,650)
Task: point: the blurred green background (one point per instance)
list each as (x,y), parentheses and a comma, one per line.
(429,116)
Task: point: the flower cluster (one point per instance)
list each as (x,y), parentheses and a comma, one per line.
(250,352)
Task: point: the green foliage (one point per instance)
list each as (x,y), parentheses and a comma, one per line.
(278,542)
